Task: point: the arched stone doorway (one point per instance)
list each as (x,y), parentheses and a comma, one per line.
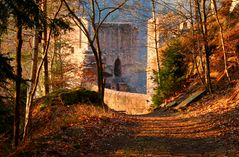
(117,68)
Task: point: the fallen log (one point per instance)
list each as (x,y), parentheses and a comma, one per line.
(190,98)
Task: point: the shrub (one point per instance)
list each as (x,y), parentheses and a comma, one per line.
(81,95)
(172,73)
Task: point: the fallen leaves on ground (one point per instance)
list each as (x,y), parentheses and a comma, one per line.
(77,129)
(208,127)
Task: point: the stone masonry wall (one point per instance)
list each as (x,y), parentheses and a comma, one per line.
(120,55)
(130,103)
(118,42)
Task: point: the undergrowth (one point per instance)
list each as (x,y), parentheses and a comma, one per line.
(172,73)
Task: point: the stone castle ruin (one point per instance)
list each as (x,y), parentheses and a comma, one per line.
(123,42)
(118,40)
(127,53)
(129,59)
(122,68)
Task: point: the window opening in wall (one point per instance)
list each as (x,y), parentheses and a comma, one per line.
(117,68)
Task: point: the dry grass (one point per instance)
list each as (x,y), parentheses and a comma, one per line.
(52,118)
(78,128)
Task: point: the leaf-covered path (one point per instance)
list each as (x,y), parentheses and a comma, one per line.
(172,134)
(209,128)
(195,133)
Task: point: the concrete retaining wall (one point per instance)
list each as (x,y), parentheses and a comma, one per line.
(130,103)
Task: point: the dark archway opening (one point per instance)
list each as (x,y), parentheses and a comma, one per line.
(117,68)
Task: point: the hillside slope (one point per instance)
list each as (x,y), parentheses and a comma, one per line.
(209,127)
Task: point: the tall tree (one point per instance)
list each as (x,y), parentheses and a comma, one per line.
(18,80)
(221,31)
(22,11)
(46,69)
(55,24)
(34,63)
(200,19)
(156,37)
(204,31)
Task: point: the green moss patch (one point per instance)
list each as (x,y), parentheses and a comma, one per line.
(79,96)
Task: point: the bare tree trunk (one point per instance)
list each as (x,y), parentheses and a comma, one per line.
(198,16)
(98,55)
(61,70)
(194,7)
(222,40)
(156,39)
(100,83)
(35,81)
(33,75)
(46,71)
(101,80)
(16,127)
(53,59)
(99,74)
(206,48)
(195,26)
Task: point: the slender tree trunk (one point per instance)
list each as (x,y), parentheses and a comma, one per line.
(100,79)
(156,39)
(98,55)
(193,8)
(100,83)
(30,93)
(34,86)
(100,71)
(46,71)
(61,70)
(37,75)
(206,48)
(53,60)
(16,127)
(222,39)
(198,16)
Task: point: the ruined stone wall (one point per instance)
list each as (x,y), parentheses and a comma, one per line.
(118,42)
(119,45)
(130,103)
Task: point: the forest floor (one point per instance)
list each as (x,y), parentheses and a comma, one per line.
(209,127)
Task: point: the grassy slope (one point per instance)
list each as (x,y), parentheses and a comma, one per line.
(67,130)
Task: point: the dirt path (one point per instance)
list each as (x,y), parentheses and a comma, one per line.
(171,134)
(209,129)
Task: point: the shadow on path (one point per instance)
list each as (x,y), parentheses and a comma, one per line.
(171,134)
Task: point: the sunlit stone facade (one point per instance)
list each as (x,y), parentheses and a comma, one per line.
(122,66)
